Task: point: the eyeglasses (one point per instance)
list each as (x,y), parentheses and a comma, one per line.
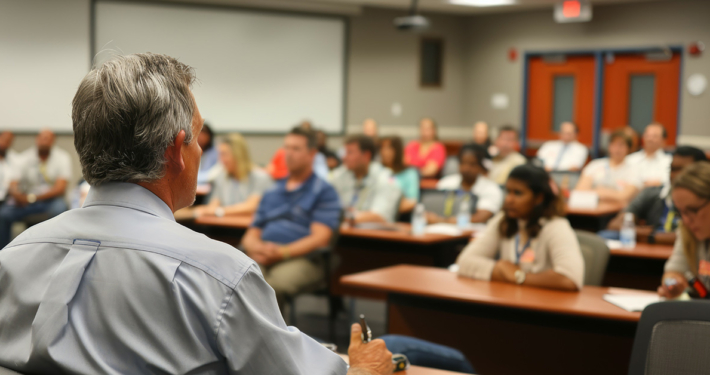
(690,213)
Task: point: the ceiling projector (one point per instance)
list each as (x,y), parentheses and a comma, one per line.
(412,22)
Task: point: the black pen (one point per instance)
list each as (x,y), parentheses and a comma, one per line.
(366,334)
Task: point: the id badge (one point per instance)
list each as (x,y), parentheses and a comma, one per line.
(529,256)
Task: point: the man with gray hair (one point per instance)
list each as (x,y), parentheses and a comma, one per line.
(118,287)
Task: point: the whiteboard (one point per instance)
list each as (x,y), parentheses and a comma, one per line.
(44,54)
(258,72)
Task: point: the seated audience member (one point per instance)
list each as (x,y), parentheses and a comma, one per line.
(530,242)
(277,168)
(365,187)
(566,154)
(331,158)
(392,156)
(117,286)
(652,162)
(507,157)
(8,163)
(39,186)
(210,156)
(634,136)
(239,186)
(372,130)
(612,178)
(295,218)
(472,178)
(691,253)
(653,207)
(426,154)
(428,354)
(481,135)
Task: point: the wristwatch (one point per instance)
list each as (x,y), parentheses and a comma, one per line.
(520,277)
(219,212)
(31,198)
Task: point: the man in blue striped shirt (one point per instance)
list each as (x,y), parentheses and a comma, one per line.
(297,216)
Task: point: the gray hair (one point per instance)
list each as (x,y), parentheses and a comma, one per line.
(127,112)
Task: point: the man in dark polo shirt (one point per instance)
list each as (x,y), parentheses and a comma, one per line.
(295,217)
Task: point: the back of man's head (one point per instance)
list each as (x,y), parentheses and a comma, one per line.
(365,144)
(127,112)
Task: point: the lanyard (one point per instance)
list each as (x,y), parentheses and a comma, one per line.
(518,250)
(451,199)
(356,202)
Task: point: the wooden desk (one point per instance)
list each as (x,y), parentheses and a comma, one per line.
(228,229)
(234,222)
(365,249)
(414,370)
(639,268)
(504,328)
(593,220)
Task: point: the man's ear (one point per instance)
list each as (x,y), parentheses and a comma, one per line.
(174,153)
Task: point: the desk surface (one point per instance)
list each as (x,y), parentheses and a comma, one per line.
(401,234)
(441,283)
(237,222)
(415,370)
(603,209)
(645,250)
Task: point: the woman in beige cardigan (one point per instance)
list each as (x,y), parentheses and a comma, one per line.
(530,242)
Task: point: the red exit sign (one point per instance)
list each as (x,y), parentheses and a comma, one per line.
(573,11)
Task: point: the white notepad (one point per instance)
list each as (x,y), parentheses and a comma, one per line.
(632,302)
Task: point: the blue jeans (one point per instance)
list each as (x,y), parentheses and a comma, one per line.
(427,354)
(11,213)
(609,234)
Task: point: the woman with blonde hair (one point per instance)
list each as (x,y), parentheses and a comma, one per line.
(238,188)
(691,252)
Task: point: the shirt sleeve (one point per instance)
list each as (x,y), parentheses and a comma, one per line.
(477,260)
(678,262)
(411,189)
(545,154)
(217,189)
(410,154)
(386,200)
(254,340)
(491,199)
(65,168)
(565,253)
(327,209)
(262,184)
(260,214)
(579,156)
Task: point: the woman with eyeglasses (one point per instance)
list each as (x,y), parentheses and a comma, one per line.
(691,252)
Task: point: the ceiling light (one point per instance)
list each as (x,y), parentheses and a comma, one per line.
(482,3)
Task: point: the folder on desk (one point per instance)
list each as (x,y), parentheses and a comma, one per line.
(632,302)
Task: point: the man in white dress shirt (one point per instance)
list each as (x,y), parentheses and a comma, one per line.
(566,154)
(652,162)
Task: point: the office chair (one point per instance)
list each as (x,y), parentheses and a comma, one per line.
(596,256)
(672,338)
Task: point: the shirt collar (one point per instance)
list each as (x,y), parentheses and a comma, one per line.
(282,183)
(128,195)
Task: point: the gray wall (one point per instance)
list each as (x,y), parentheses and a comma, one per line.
(489,71)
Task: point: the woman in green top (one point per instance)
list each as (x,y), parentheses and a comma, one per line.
(392,156)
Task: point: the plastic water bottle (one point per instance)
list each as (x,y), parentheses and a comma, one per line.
(627,235)
(418,220)
(463,218)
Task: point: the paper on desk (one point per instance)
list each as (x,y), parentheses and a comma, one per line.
(632,302)
(443,228)
(614,244)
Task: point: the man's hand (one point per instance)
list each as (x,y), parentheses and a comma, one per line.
(433,218)
(372,358)
(265,253)
(505,271)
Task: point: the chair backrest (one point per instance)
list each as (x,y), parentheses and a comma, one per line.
(436,201)
(596,257)
(672,338)
(7,371)
(565,179)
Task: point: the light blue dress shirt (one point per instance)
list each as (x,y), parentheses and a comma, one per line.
(118,287)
